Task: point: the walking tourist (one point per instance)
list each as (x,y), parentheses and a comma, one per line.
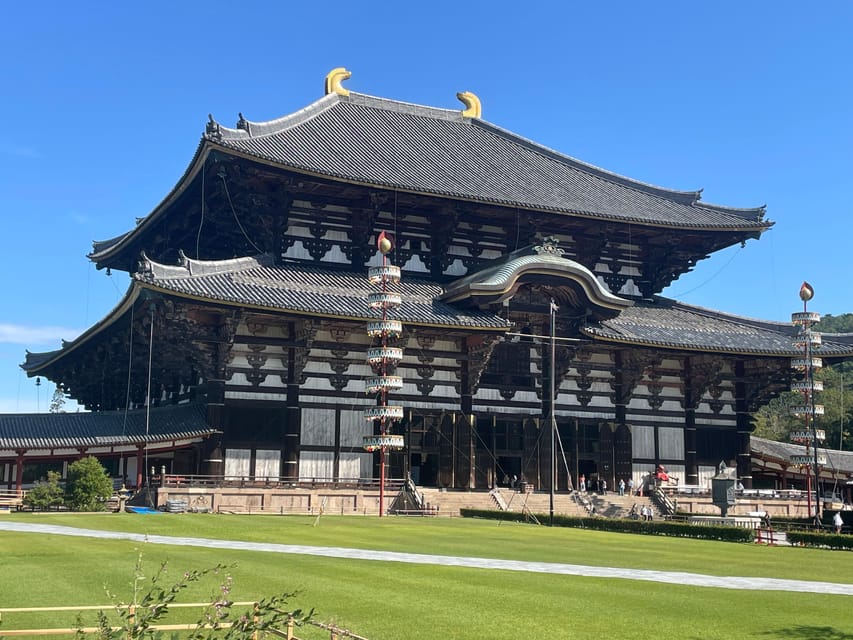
(621,487)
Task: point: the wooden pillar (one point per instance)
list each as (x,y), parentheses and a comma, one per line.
(140,466)
(744,426)
(691,466)
(293,417)
(19,471)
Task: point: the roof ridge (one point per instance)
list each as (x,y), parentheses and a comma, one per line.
(151,269)
(257,129)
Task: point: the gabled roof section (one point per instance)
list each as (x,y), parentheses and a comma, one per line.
(397,145)
(294,288)
(389,144)
(542,263)
(65,430)
(666,323)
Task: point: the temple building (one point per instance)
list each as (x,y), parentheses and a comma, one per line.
(533,327)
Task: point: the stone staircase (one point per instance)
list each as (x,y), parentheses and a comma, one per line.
(449,502)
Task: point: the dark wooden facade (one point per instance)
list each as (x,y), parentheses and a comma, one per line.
(253,271)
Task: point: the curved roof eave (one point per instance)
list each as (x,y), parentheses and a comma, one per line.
(104,249)
(37,362)
(751,229)
(505,279)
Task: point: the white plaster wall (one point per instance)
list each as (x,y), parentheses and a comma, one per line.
(316,465)
(318,427)
(356,465)
(268,464)
(671,443)
(642,442)
(353,429)
(238,462)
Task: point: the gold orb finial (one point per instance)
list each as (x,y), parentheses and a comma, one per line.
(384,244)
(334,79)
(473,109)
(806,292)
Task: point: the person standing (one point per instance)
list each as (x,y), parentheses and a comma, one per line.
(602,485)
(837,521)
(582,484)
(621,487)
(630,486)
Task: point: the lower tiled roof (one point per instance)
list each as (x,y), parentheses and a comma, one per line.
(69,430)
(841,461)
(311,291)
(670,324)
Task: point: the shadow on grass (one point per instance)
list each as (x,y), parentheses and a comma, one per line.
(810,633)
(802,632)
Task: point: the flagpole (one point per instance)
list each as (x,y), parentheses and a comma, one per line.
(553,376)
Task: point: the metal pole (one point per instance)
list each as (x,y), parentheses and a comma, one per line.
(813,417)
(553,414)
(841,429)
(148,398)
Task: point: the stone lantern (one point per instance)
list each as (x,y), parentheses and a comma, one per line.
(723,488)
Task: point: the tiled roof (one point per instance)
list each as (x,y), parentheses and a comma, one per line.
(308,290)
(64,430)
(396,145)
(841,461)
(671,324)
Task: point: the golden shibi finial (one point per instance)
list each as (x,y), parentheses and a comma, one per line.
(473,109)
(806,292)
(334,79)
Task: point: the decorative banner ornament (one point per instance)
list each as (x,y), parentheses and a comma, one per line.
(807,341)
(383,359)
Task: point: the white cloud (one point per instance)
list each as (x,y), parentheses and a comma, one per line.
(19,151)
(20,334)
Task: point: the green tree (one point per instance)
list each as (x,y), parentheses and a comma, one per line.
(835,324)
(58,401)
(774,421)
(46,494)
(88,486)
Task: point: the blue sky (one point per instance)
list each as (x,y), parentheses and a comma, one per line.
(103,105)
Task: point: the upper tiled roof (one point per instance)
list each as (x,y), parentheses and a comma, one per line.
(68,430)
(308,290)
(672,324)
(397,145)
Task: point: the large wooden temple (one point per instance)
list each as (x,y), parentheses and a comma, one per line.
(530,290)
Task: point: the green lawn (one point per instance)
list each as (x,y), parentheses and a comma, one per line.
(394,601)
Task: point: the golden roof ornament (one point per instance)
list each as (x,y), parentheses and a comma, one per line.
(806,292)
(334,79)
(473,109)
(550,245)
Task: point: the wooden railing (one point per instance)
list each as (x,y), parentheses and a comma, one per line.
(173,480)
(335,632)
(11,498)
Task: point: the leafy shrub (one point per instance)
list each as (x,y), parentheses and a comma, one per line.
(88,486)
(655,527)
(821,540)
(47,494)
(149,605)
